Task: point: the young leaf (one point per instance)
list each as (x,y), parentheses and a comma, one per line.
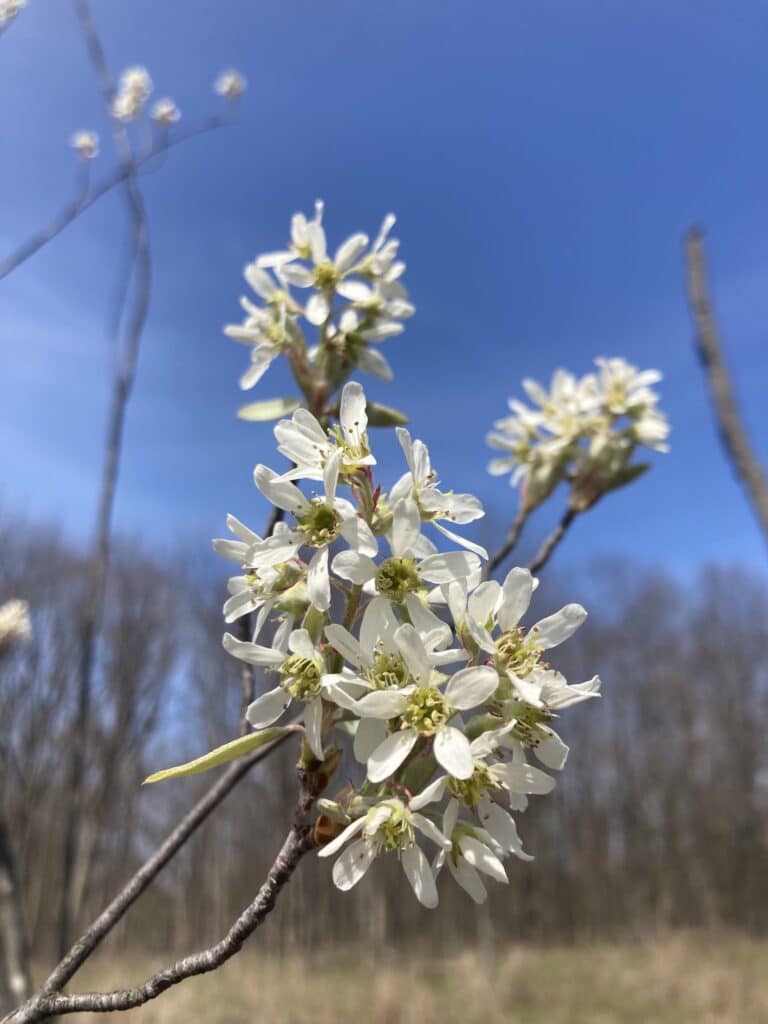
(221,755)
(384,416)
(271,409)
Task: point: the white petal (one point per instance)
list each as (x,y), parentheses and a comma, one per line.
(482,859)
(390,754)
(470,545)
(318,581)
(523,778)
(313,723)
(349,251)
(558,627)
(448,567)
(452,751)
(469,880)
(502,828)
(354,567)
(317,309)
(352,865)
(552,752)
(379,624)
(419,874)
(411,646)
(430,830)
(432,793)
(406,527)
(352,415)
(370,360)
(267,708)
(371,733)
(336,844)
(254,654)
(516,596)
(382,704)
(471,687)
(282,493)
(347,645)
(358,534)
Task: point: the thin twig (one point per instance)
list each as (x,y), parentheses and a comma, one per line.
(121,391)
(544,553)
(733,435)
(298,842)
(510,541)
(118,176)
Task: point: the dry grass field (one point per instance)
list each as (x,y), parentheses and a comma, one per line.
(672,979)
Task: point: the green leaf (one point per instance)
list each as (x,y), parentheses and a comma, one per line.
(627,475)
(384,416)
(221,755)
(271,409)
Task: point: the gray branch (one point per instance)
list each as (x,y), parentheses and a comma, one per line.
(547,549)
(729,422)
(510,542)
(297,843)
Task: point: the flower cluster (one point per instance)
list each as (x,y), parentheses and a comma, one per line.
(9,9)
(14,622)
(85,144)
(582,430)
(132,93)
(383,639)
(349,301)
(231,85)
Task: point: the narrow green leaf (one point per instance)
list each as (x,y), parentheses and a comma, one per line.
(384,416)
(221,755)
(271,409)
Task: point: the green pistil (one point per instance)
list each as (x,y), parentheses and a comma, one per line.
(301,677)
(471,791)
(396,833)
(319,523)
(517,652)
(528,727)
(426,711)
(386,672)
(397,577)
(353,453)
(326,275)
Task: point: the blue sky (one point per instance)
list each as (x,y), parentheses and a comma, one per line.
(543,159)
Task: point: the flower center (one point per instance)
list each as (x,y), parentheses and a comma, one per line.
(396,831)
(471,791)
(397,577)
(301,677)
(319,523)
(427,711)
(387,671)
(517,652)
(326,275)
(528,724)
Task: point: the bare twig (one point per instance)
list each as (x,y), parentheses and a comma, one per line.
(510,542)
(84,201)
(729,422)
(48,1000)
(120,395)
(546,550)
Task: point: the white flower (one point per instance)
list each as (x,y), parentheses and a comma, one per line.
(388,826)
(302,439)
(420,483)
(472,852)
(424,710)
(86,144)
(165,112)
(9,9)
(407,570)
(14,622)
(132,93)
(231,85)
(319,521)
(301,673)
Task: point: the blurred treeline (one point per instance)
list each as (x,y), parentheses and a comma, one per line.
(659,819)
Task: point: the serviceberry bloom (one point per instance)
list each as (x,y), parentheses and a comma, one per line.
(389,826)
(132,93)
(231,85)
(582,430)
(14,622)
(86,144)
(165,112)
(350,300)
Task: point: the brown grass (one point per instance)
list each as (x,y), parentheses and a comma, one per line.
(672,979)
